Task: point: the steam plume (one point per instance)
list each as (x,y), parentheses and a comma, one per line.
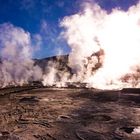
(16,67)
(117,34)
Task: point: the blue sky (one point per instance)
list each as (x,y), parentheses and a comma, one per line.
(41,18)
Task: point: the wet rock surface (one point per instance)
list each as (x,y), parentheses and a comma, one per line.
(69,114)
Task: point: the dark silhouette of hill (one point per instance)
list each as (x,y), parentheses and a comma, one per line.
(60,62)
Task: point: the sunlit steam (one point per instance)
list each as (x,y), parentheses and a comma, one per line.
(105,51)
(117,34)
(16,67)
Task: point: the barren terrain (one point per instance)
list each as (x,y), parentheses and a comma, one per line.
(29,113)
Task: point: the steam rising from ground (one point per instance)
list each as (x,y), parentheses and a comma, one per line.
(16,67)
(105,51)
(105,47)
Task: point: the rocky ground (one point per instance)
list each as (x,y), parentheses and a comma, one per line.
(28,113)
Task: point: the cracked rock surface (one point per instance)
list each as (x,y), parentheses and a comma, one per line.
(69,114)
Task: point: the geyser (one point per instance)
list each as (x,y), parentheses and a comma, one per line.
(117,34)
(105,51)
(16,67)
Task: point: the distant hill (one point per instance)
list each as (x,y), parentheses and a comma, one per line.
(61,62)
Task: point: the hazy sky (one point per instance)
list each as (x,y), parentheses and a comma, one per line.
(41,18)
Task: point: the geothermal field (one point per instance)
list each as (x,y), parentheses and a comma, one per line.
(61,108)
(42,113)
(89,87)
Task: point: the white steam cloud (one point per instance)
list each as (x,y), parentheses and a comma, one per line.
(16,67)
(109,39)
(105,51)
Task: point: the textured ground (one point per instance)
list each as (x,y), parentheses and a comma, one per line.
(69,114)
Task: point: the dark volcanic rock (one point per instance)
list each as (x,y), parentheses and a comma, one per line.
(131,90)
(61,62)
